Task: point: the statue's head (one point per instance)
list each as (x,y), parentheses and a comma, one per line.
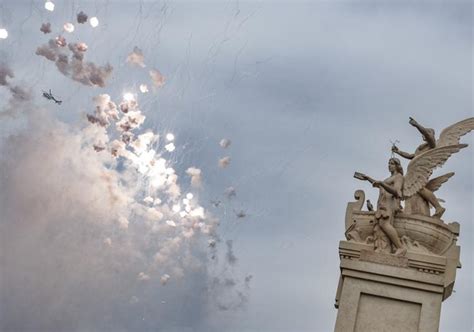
(394,165)
(431,132)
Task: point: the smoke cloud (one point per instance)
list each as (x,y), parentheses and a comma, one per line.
(87,73)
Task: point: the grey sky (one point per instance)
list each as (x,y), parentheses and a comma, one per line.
(308,92)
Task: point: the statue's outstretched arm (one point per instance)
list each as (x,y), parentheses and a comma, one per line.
(430,139)
(401,153)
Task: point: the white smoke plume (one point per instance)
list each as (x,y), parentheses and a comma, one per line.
(75,67)
(19,96)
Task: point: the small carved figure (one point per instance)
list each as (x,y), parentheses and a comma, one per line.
(450,136)
(370,207)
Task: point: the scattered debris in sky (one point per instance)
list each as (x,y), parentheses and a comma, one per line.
(157,78)
(225,143)
(170,137)
(224,162)
(215,203)
(3,33)
(231,258)
(45,28)
(49,5)
(142,276)
(230,192)
(164,279)
(136,57)
(81,17)
(240,214)
(94,22)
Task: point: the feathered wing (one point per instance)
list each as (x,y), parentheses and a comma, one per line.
(452,134)
(435,184)
(421,167)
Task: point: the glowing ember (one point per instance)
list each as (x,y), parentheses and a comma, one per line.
(3,34)
(94,21)
(143,88)
(170,147)
(171,223)
(128,96)
(170,137)
(48,5)
(82,47)
(60,41)
(68,27)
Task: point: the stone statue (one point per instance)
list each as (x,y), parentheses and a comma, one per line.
(390,194)
(398,262)
(398,187)
(419,204)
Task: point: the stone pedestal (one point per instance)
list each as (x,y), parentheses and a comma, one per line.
(380,292)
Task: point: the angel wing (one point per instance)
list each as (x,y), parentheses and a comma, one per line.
(452,134)
(421,167)
(435,183)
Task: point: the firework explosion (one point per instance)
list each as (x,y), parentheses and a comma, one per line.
(108,191)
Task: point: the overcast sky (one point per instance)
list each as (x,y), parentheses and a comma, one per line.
(308,93)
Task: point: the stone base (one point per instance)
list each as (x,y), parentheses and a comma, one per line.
(387,298)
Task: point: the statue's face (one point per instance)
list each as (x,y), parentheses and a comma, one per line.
(391,166)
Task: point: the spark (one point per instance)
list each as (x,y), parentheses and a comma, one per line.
(176,208)
(3,34)
(49,5)
(143,88)
(224,143)
(170,137)
(171,223)
(148,199)
(94,22)
(170,147)
(128,96)
(189,196)
(68,27)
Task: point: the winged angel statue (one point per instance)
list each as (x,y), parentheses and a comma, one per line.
(414,187)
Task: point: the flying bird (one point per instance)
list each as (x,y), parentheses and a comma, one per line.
(49,96)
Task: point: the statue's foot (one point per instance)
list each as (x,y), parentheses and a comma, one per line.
(400,252)
(439,212)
